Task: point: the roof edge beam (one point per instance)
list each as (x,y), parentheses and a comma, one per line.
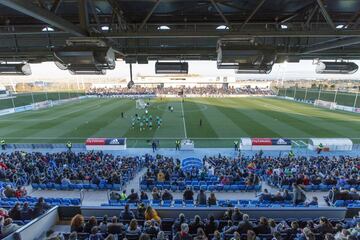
(46,16)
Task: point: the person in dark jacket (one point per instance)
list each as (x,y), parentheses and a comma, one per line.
(167,196)
(15,212)
(236,216)
(115,227)
(133,197)
(90,224)
(211,226)
(188,194)
(263,227)
(127,214)
(194,225)
(26,212)
(178,222)
(40,207)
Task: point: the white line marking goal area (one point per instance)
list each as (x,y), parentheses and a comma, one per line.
(183,117)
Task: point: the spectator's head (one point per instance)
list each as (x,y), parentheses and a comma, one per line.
(182,217)
(25,205)
(197,219)
(77,220)
(132,190)
(114,219)
(105,219)
(294,225)
(94,230)
(263,221)
(133,225)
(41,200)
(92,221)
(126,207)
(245,217)
(8,221)
(212,218)
(217,234)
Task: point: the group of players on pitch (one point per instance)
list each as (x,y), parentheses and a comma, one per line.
(145,121)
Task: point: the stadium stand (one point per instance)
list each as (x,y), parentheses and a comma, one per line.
(202,91)
(68,170)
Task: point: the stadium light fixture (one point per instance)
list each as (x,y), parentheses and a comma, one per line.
(47,29)
(283,26)
(105,28)
(341,26)
(222,27)
(163,27)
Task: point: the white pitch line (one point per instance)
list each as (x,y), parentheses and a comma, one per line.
(183,117)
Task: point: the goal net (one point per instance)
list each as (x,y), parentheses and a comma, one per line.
(140,104)
(325,104)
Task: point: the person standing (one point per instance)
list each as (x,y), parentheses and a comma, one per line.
(200,123)
(122,114)
(3,144)
(236,146)
(177,145)
(69,146)
(153,145)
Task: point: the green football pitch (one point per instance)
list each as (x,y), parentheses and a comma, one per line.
(223,121)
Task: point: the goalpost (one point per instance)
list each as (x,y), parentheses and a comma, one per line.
(140,104)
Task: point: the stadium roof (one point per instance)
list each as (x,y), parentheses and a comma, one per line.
(181,29)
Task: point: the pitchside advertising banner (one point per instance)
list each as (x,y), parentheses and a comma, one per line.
(105,144)
(270,141)
(255,144)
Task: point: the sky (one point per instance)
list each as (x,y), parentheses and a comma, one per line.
(287,71)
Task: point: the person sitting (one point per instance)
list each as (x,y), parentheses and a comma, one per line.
(201,198)
(251,235)
(104,224)
(265,196)
(245,225)
(133,228)
(188,194)
(160,176)
(127,214)
(324,226)
(40,207)
(183,234)
(151,227)
(20,192)
(151,214)
(133,197)
(194,225)
(77,223)
(177,224)
(95,234)
(15,212)
(8,226)
(26,212)
(115,227)
(167,196)
(236,216)
(200,235)
(143,196)
(211,225)
(212,201)
(9,192)
(90,224)
(263,227)
(293,230)
(156,194)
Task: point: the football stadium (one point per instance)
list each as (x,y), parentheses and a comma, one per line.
(179,120)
